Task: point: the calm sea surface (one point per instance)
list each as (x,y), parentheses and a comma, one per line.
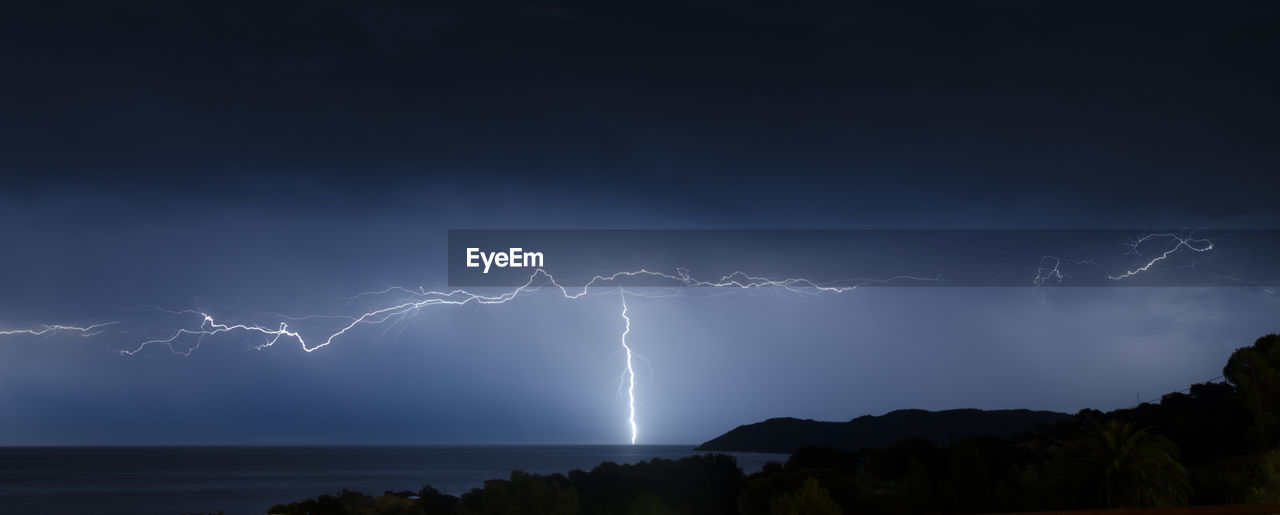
(251,479)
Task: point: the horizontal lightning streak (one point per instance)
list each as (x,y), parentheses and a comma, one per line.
(1189,243)
(88,330)
(209,326)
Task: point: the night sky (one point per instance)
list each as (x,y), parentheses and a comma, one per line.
(253,158)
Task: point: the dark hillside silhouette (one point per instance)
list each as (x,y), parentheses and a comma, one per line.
(1213,444)
(784,435)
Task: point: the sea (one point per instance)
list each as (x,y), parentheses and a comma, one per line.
(235,480)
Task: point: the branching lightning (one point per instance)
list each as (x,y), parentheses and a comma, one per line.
(1182,242)
(1049,270)
(86,331)
(209,326)
(422,298)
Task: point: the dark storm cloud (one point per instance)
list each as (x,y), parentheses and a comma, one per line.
(1134,109)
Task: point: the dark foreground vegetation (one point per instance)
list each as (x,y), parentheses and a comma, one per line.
(1217,443)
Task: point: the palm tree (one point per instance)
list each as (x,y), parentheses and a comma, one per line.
(1116,465)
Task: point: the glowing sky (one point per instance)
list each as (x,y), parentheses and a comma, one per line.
(276,159)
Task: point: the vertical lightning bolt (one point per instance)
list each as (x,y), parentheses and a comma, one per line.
(631,372)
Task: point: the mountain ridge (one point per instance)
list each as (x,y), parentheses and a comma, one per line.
(786,434)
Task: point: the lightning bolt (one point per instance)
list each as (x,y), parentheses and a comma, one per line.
(1189,243)
(85,331)
(421,298)
(209,326)
(631,372)
(1048,271)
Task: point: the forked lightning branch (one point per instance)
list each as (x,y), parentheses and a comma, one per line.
(514,257)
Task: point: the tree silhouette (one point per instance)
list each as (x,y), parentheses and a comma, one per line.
(1255,372)
(970,482)
(1118,465)
(1266,484)
(524,494)
(916,488)
(810,499)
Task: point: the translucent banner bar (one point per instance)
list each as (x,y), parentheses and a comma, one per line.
(857,258)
